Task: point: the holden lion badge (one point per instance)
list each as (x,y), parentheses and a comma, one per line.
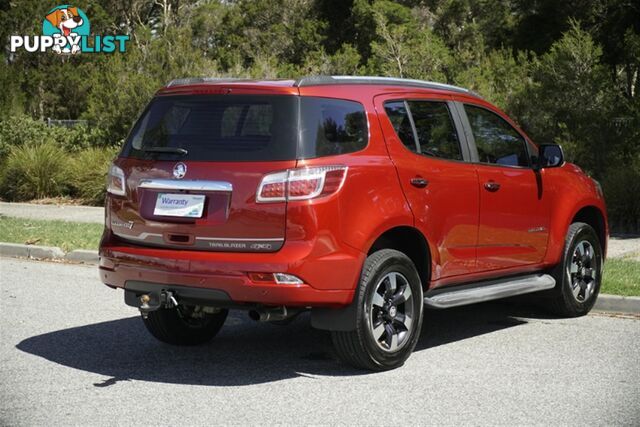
(179,170)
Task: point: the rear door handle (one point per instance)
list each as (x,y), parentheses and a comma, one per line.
(492,186)
(419,182)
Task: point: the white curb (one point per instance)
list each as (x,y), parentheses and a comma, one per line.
(617,304)
(83,255)
(17,250)
(30,251)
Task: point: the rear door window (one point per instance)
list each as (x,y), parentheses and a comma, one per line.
(437,136)
(399,117)
(425,127)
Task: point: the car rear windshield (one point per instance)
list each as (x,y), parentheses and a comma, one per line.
(247,128)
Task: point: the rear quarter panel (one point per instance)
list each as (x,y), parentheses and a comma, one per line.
(371,200)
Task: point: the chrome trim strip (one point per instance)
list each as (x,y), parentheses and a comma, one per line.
(145,236)
(488,292)
(238,239)
(193,185)
(141,236)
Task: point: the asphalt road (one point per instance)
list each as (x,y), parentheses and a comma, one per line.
(71,353)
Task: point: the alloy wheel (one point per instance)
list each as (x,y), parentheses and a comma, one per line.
(583,271)
(391,312)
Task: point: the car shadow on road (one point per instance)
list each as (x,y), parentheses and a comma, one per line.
(244,352)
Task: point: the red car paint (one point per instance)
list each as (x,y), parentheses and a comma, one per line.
(472,234)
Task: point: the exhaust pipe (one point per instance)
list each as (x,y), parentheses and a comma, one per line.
(272,314)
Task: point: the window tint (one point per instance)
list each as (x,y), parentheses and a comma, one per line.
(246,120)
(399,117)
(249,128)
(496,140)
(437,136)
(331,126)
(258,120)
(219,128)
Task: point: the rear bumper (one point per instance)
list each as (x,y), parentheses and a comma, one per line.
(330,276)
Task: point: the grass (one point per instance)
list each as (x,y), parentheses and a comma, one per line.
(621,277)
(66,235)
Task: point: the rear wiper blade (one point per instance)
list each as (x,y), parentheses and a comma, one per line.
(171,150)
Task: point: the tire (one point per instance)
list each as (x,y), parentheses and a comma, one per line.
(184,325)
(579,274)
(384,336)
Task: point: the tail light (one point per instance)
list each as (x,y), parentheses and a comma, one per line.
(116,181)
(301,184)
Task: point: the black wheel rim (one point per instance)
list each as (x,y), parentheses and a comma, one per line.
(583,270)
(391,312)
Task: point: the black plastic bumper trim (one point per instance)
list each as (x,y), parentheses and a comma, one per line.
(133,290)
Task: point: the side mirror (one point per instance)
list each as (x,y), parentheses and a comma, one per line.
(550,156)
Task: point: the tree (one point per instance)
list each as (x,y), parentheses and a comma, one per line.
(405,46)
(571,100)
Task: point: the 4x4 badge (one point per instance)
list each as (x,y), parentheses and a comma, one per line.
(179,170)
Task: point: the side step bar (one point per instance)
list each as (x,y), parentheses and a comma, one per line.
(490,291)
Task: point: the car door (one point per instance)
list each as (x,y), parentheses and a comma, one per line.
(514,216)
(423,136)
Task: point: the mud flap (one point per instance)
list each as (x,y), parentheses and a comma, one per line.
(335,319)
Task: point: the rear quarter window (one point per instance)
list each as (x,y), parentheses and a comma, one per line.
(331,127)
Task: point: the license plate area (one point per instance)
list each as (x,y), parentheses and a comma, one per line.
(216,207)
(179,205)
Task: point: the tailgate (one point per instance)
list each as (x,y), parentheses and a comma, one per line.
(214,209)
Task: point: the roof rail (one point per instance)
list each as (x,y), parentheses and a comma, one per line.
(196,80)
(369,80)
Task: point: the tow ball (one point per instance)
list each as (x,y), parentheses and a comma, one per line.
(153,302)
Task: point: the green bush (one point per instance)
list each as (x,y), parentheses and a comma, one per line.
(19,130)
(23,130)
(78,137)
(34,171)
(88,173)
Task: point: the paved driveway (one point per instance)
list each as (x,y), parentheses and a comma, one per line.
(72,353)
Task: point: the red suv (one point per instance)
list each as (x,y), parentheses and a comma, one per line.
(361,199)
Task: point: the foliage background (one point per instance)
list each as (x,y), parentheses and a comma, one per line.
(567,71)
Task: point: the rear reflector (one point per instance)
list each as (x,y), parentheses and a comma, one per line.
(287,279)
(278,278)
(301,184)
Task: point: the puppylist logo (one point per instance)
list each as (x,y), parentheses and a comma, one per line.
(66,30)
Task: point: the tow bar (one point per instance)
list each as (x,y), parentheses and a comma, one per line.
(152,302)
